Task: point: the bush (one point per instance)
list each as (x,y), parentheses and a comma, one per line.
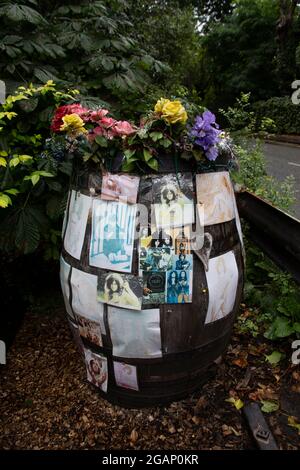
(282,111)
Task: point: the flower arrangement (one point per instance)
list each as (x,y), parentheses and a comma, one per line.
(95,136)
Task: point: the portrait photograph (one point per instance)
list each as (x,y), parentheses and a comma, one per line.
(182,240)
(89,329)
(125,375)
(76,224)
(113,228)
(155,259)
(120,290)
(173,202)
(96,367)
(182,262)
(154,285)
(179,287)
(120,187)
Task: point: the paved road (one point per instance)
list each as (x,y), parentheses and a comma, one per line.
(283,160)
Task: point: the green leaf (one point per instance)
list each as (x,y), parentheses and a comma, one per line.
(35,179)
(296,327)
(12,191)
(5,200)
(280,328)
(147,155)
(129,153)
(155,136)
(275,357)
(102,141)
(166,143)
(294,423)
(3,162)
(153,163)
(269,406)
(25,158)
(14,162)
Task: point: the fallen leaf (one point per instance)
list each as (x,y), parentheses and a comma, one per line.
(240,362)
(294,423)
(236,402)
(134,436)
(275,357)
(269,406)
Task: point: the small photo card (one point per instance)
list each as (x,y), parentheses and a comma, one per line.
(89,329)
(154,285)
(173,200)
(96,367)
(179,287)
(120,290)
(113,227)
(122,188)
(126,376)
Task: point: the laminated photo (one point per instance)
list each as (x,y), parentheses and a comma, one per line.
(154,285)
(215,194)
(179,287)
(78,215)
(84,297)
(145,237)
(96,367)
(120,290)
(135,334)
(222,280)
(89,329)
(77,338)
(125,375)
(64,281)
(123,188)
(182,262)
(113,228)
(155,259)
(182,240)
(173,200)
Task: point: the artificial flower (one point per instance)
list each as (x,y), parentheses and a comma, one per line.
(171,112)
(62,111)
(205,133)
(123,128)
(73,124)
(96,116)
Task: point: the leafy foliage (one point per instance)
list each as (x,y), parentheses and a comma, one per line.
(32,199)
(84,43)
(282,111)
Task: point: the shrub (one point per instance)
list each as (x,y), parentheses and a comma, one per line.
(282,111)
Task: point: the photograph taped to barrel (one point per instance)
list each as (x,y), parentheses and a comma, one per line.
(75,332)
(64,281)
(120,290)
(135,334)
(173,203)
(78,214)
(179,287)
(120,187)
(125,375)
(154,286)
(96,368)
(89,329)
(84,297)
(155,259)
(113,228)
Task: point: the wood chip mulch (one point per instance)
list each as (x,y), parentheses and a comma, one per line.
(46,402)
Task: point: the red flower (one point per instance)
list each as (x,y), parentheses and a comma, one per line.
(62,111)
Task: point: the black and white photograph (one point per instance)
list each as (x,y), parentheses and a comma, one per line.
(113,227)
(173,200)
(154,285)
(120,290)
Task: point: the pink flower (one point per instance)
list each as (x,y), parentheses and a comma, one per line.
(123,128)
(96,116)
(107,122)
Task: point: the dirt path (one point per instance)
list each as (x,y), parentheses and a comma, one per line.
(46,402)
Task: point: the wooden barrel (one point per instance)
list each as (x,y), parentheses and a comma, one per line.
(156,351)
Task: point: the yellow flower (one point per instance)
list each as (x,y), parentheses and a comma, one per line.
(171,111)
(73,124)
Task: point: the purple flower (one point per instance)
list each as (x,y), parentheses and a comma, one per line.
(205,133)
